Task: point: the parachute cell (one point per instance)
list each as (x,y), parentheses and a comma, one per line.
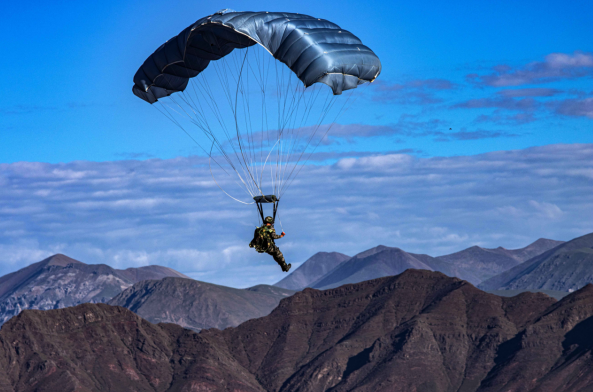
(316,50)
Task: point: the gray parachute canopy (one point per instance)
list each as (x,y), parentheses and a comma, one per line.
(316,50)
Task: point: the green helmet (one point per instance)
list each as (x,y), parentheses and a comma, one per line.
(269,219)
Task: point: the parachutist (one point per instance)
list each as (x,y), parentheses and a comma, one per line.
(263,242)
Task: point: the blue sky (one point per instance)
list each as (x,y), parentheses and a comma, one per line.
(460,79)
(70,64)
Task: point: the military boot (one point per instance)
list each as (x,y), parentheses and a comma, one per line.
(286,267)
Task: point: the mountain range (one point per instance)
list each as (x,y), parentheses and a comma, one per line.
(566,267)
(474,264)
(418,331)
(196,305)
(60,281)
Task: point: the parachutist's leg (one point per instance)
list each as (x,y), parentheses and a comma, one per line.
(279,258)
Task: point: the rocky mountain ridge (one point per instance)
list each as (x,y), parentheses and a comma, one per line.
(472,264)
(60,281)
(566,267)
(197,305)
(418,331)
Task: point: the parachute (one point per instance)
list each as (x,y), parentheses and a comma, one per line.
(261,117)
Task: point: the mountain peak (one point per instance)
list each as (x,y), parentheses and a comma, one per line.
(60,260)
(61,281)
(375,263)
(564,266)
(372,251)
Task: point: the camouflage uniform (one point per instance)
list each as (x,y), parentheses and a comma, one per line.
(263,242)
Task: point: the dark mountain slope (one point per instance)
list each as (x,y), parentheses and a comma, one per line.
(379,262)
(197,305)
(537,248)
(566,267)
(476,264)
(10,282)
(97,347)
(473,264)
(419,331)
(511,293)
(375,263)
(60,281)
(271,290)
(551,354)
(315,267)
(397,333)
(150,272)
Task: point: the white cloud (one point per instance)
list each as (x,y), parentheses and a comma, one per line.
(549,210)
(554,67)
(169,212)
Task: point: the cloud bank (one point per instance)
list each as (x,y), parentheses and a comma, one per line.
(170,212)
(555,66)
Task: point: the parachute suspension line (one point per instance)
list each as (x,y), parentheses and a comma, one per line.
(289,181)
(208,132)
(244,89)
(289,127)
(167,115)
(212,174)
(237,126)
(335,119)
(281,227)
(327,105)
(287,111)
(298,128)
(177,123)
(194,140)
(242,162)
(248,123)
(191,120)
(304,117)
(205,89)
(248,166)
(272,149)
(246,163)
(263,68)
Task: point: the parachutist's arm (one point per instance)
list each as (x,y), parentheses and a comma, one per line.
(274,235)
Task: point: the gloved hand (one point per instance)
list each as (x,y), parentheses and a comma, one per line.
(282,234)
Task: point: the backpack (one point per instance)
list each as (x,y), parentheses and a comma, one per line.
(261,240)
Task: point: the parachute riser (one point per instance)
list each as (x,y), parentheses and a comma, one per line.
(260,200)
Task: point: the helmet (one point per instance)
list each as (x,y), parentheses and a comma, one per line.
(269,219)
